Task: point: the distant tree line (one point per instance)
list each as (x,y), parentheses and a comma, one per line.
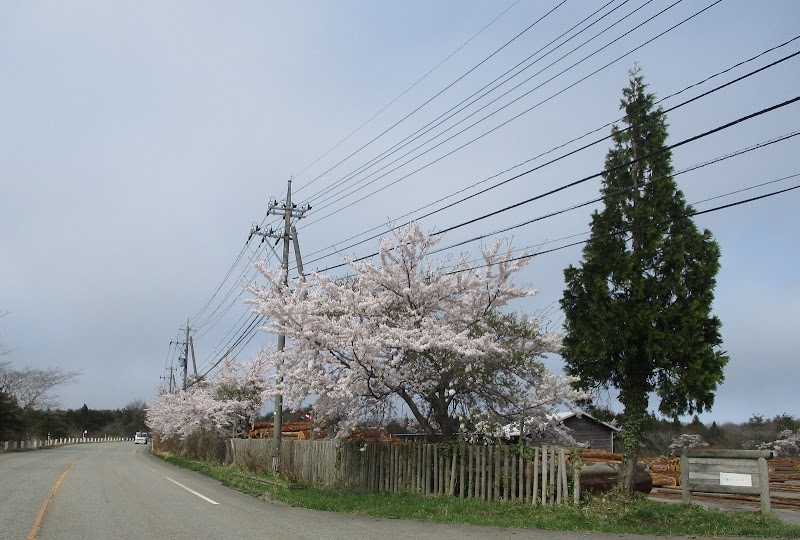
(662,436)
(18,423)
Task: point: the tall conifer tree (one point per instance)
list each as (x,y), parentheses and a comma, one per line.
(638,309)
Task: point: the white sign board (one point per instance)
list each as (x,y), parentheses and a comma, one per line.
(731,479)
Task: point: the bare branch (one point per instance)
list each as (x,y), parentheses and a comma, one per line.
(32,387)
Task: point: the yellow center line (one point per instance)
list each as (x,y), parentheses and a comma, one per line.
(38,521)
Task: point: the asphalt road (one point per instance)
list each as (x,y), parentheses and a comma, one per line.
(118,490)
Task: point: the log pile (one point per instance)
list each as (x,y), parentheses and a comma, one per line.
(784,469)
(666,471)
(784,480)
(289,430)
(301,431)
(601,471)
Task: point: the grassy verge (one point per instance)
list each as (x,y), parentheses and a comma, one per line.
(602,514)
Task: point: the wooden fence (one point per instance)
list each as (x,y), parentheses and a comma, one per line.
(490,473)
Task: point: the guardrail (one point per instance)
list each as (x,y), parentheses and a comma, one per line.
(35,444)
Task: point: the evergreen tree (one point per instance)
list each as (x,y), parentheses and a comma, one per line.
(638,309)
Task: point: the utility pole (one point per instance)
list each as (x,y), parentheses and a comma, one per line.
(170,380)
(289,211)
(194,360)
(183,360)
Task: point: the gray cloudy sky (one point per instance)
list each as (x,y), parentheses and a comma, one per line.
(140,140)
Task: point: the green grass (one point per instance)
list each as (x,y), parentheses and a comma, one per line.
(603,514)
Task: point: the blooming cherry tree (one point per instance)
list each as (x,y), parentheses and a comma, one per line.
(787,443)
(687,440)
(222,404)
(407,329)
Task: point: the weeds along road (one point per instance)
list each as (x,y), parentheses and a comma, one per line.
(118,490)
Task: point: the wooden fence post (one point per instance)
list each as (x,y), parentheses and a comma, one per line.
(490,475)
(546,493)
(535,494)
(462,454)
(452,489)
(551,475)
(506,475)
(498,475)
(763,475)
(685,493)
(471,472)
(558,478)
(576,480)
(481,472)
(514,485)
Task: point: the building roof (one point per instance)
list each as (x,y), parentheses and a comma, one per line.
(564,415)
(512,429)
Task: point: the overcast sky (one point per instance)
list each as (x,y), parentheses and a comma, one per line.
(140,140)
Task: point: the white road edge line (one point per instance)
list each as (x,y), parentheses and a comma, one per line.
(190,490)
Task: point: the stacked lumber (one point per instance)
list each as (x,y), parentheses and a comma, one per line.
(784,469)
(601,471)
(600,456)
(289,430)
(666,471)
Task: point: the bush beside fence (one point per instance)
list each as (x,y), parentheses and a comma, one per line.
(528,475)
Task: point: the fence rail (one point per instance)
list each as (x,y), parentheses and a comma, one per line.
(490,473)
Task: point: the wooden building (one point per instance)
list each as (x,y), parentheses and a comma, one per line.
(589,431)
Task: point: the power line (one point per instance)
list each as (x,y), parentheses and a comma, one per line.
(230,292)
(209,318)
(435,122)
(500,125)
(689,214)
(238,258)
(618,167)
(575,151)
(252,330)
(537,21)
(216,291)
(236,285)
(388,105)
(257,319)
(562,145)
(598,174)
(404,92)
(621,191)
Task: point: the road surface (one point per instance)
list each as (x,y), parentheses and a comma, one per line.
(119,490)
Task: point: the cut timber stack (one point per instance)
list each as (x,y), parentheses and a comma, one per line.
(666,471)
(289,430)
(783,469)
(601,471)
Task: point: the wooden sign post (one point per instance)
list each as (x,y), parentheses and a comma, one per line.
(741,472)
